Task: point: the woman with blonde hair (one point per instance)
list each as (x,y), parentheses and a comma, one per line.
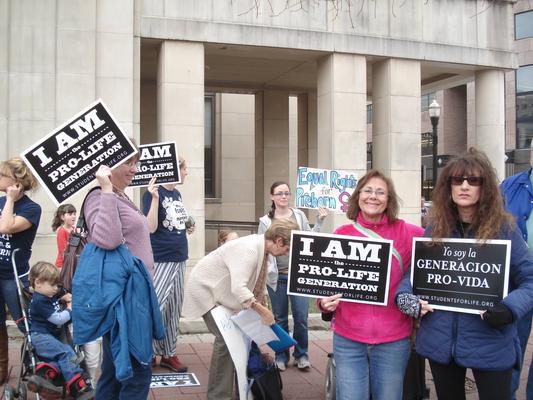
(233,275)
(19,220)
(467,203)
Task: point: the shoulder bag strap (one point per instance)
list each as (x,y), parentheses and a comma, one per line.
(80,225)
(371,234)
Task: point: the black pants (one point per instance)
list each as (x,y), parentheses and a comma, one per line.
(450,382)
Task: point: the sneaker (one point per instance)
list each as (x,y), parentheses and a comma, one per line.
(282,365)
(173,363)
(80,388)
(302,363)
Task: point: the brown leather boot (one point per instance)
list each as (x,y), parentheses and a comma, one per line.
(3,353)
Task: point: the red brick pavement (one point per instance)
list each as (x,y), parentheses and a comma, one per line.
(195,352)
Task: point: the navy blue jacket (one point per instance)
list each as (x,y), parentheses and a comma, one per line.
(112,292)
(466,338)
(518,196)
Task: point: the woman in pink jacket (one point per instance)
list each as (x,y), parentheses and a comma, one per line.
(371,342)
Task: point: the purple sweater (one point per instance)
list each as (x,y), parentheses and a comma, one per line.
(109,219)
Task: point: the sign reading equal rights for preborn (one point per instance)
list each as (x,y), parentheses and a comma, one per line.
(460,274)
(321,265)
(327,188)
(66,159)
(159,160)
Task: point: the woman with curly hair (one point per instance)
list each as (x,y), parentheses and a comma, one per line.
(19,220)
(467,203)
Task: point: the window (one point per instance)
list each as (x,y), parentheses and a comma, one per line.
(425,101)
(369,113)
(209,145)
(523,25)
(524,106)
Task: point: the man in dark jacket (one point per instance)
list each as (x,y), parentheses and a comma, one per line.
(518,193)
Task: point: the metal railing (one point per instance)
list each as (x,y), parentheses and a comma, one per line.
(232,225)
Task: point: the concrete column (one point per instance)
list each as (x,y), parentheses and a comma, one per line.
(272,144)
(312,133)
(341,117)
(303,136)
(490,117)
(396,130)
(180,118)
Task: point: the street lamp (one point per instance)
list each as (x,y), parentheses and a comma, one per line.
(434,114)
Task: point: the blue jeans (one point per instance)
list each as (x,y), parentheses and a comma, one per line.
(109,388)
(9,297)
(300,309)
(363,369)
(49,349)
(523,326)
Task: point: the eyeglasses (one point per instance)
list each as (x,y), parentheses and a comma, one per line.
(472,180)
(280,194)
(369,192)
(132,164)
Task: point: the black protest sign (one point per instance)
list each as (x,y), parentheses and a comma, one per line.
(159,160)
(460,274)
(174,380)
(321,265)
(66,159)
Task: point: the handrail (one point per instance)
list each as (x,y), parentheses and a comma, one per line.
(232,225)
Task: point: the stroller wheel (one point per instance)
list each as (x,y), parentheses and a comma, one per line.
(9,393)
(330,384)
(22,391)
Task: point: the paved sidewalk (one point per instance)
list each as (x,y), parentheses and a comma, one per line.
(194,350)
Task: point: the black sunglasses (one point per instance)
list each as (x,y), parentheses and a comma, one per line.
(472,180)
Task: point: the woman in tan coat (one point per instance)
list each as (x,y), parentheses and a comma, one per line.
(227,276)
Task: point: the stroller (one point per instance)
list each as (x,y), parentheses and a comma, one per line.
(40,377)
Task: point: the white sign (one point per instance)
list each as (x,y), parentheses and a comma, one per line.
(238,345)
(316,187)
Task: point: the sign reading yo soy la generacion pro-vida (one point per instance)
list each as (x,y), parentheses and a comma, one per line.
(324,188)
(460,274)
(66,159)
(321,265)
(159,160)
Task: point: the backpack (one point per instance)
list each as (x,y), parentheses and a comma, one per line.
(76,243)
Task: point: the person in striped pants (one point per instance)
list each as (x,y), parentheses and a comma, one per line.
(169,225)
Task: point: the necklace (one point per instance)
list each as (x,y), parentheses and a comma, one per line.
(120,194)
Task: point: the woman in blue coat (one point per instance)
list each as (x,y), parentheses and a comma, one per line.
(467,204)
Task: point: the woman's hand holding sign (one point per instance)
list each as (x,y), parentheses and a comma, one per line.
(330,303)
(102,175)
(425,307)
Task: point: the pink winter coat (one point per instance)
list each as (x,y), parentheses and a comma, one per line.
(374,324)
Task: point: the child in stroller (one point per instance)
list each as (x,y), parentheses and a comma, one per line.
(59,362)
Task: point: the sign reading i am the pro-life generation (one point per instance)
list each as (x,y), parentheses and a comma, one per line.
(174,380)
(321,265)
(159,160)
(460,274)
(316,187)
(66,160)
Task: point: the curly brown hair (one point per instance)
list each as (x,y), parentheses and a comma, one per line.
(490,216)
(393,201)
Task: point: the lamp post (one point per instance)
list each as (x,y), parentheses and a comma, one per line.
(434,115)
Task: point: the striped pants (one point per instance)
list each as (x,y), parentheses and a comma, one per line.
(169,280)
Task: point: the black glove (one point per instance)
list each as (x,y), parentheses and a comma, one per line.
(409,304)
(498,316)
(327,316)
